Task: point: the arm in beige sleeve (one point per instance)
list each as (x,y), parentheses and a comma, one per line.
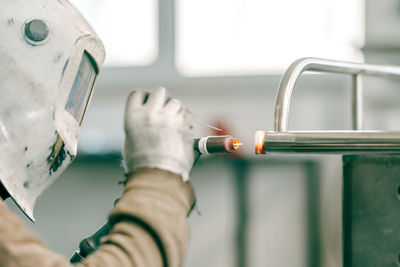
(148,228)
(157,202)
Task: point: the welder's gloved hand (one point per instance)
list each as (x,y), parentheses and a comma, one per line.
(158,133)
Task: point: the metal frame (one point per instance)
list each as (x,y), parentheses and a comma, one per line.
(343,142)
(371,198)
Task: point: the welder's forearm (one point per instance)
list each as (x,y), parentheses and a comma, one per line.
(127,245)
(148,224)
(157,202)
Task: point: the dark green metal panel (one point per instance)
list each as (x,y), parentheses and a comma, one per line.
(371,210)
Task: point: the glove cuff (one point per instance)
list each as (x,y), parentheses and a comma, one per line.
(167,166)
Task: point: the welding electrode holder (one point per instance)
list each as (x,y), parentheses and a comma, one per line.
(354,141)
(216,144)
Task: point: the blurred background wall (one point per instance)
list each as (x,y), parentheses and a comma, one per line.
(224,60)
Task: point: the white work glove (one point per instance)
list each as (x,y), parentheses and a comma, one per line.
(158,133)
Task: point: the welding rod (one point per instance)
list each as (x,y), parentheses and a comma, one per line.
(216,144)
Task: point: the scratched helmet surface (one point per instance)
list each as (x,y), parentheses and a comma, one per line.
(49,61)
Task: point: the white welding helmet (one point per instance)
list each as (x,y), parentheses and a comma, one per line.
(49,60)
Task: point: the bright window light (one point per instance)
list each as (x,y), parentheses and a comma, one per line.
(128,29)
(249,37)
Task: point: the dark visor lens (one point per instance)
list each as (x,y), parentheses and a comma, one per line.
(81,89)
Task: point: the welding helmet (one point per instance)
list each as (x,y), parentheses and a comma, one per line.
(49,60)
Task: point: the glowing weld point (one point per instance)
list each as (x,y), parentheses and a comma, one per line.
(259,139)
(236,144)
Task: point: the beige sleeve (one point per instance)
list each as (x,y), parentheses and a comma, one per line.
(148,228)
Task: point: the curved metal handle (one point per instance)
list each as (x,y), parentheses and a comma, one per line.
(289,79)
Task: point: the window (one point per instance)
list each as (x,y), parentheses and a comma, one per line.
(128,29)
(242,37)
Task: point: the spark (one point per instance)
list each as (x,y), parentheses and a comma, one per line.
(236,144)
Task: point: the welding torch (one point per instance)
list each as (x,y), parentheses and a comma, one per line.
(216,144)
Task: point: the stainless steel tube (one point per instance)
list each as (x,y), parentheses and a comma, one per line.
(292,74)
(357,102)
(340,142)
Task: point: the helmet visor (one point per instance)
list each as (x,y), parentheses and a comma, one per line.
(81,91)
